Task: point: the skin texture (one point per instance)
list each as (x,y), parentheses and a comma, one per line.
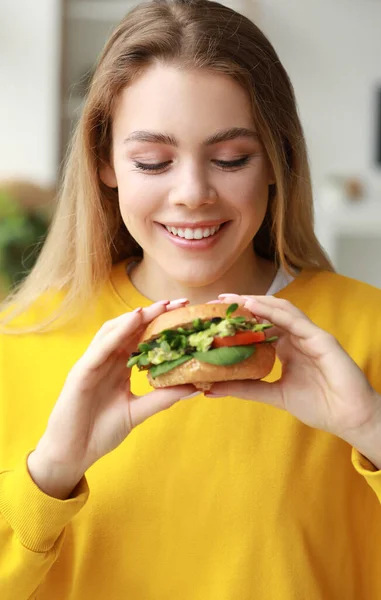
(190,106)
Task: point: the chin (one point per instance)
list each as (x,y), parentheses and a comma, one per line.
(195,276)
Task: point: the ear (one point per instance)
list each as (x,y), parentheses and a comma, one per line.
(107,175)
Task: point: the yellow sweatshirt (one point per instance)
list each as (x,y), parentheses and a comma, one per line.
(213,499)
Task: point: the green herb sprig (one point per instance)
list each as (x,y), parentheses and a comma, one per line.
(177,339)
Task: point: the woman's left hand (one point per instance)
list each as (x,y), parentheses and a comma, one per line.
(320,384)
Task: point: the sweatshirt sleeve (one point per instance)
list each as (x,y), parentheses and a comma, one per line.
(370,473)
(32,528)
(372,370)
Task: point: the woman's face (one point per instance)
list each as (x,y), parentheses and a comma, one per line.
(191,173)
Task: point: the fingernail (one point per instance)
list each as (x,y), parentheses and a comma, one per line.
(137,310)
(180,300)
(164,302)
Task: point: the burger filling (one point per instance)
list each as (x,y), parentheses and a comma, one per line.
(220,341)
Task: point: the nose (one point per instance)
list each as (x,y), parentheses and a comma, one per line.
(192,188)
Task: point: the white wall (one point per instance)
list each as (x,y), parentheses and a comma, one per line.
(332,51)
(29,88)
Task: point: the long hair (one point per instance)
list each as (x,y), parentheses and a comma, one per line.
(87,235)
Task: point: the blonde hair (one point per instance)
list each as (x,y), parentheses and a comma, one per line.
(87,235)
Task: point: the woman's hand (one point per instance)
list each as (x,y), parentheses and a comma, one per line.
(96,409)
(320,384)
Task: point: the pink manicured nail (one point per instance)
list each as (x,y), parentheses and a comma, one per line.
(179,301)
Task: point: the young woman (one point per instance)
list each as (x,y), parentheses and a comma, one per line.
(188,178)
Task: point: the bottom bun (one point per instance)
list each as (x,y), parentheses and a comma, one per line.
(202,375)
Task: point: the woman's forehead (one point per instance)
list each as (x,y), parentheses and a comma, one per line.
(177,100)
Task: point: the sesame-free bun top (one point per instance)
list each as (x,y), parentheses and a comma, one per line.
(183,317)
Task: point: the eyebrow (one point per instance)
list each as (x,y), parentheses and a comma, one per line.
(221,136)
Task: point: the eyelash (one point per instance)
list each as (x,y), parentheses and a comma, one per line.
(224,165)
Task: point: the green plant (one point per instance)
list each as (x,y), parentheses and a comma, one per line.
(21,236)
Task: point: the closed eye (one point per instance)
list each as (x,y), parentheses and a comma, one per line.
(225,165)
(233,164)
(152,167)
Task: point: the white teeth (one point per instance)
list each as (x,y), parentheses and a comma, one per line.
(193,234)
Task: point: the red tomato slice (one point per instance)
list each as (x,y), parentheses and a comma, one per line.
(242,338)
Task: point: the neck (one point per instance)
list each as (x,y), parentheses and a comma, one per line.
(250,275)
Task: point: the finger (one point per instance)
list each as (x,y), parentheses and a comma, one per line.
(179,303)
(142,407)
(284,315)
(258,391)
(113,362)
(232,299)
(241,301)
(277,302)
(119,330)
(131,319)
(273,331)
(149,313)
(112,368)
(235,299)
(103,346)
(169,306)
(264,299)
(117,370)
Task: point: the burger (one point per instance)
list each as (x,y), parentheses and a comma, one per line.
(204,344)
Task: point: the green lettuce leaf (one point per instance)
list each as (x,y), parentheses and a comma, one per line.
(225,356)
(157,370)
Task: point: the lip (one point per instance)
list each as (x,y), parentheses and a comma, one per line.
(190,225)
(203,244)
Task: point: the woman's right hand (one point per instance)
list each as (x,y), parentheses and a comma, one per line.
(96,409)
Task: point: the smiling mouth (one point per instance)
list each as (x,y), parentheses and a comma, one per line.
(196,233)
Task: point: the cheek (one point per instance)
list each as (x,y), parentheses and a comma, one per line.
(138,189)
(137,197)
(250,194)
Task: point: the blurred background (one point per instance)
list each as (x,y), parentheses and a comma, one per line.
(331,50)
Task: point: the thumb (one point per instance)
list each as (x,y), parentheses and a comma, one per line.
(142,407)
(259,391)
